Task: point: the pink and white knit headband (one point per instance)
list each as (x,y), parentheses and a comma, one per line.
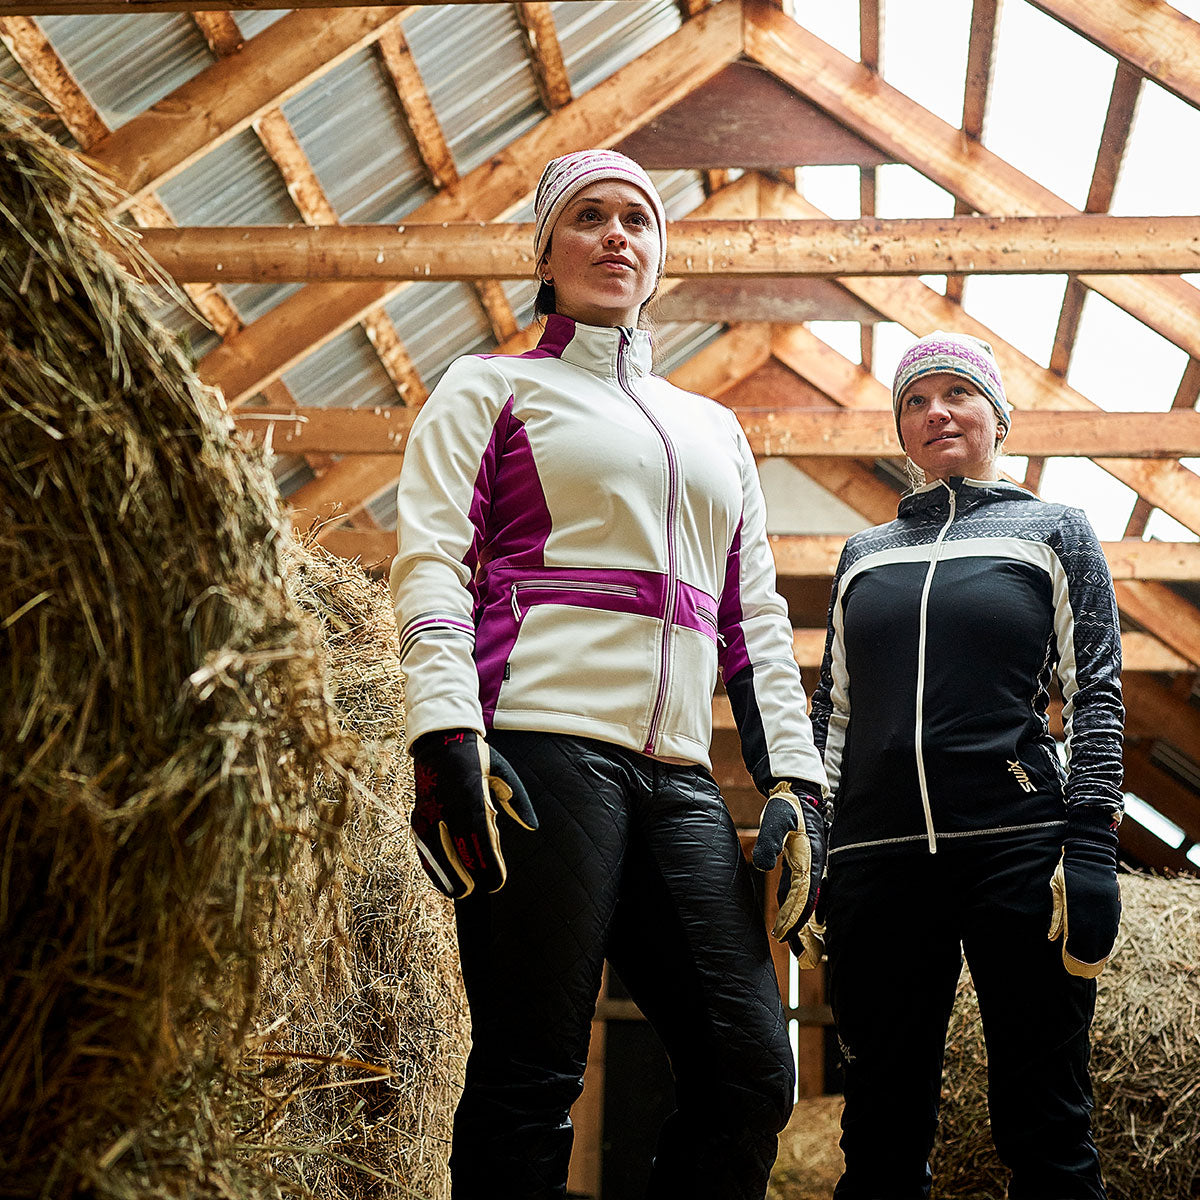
(942,353)
(565,177)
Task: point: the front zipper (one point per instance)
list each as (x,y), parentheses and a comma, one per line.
(935,554)
(568,585)
(672,581)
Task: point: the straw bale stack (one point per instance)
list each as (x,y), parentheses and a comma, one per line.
(163,713)
(363,1029)
(1145,1060)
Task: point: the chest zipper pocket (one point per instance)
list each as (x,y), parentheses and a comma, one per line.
(566,585)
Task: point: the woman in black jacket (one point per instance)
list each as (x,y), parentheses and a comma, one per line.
(957,828)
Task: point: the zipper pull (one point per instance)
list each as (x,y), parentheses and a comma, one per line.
(515,607)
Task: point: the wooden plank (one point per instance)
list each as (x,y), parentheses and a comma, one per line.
(721,124)
(793,432)
(1153,711)
(311,317)
(1165,613)
(226,98)
(761,247)
(432,147)
(220,31)
(89,7)
(902,128)
(545,55)
(1156,38)
(815,555)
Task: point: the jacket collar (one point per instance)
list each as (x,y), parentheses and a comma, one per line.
(596,348)
(968,492)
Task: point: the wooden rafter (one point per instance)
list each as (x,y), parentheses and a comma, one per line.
(437,158)
(1168,485)
(761,248)
(602,116)
(279,140)
(791,432)
(815,556)
(226,98)
(545,55)
(870,34)
(1151,35)
(901,127)
(1114,138)
(981,50)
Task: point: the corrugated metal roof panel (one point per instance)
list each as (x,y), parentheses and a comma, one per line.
(127,64)
(352,128)
(344,373)
(251,23)
(438,322)
(472,59)
(600,38)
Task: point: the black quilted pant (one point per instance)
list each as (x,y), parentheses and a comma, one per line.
(898,925)
(638,861)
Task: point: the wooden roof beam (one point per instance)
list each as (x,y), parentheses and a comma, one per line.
(1169,486)
(311,317)
(791,432)
(981,51)
(761,248)
(1152,36)
(815,556)
(545,55)
(226,98)
(902,128)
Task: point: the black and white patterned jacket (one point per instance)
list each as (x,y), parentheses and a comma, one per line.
(945,627)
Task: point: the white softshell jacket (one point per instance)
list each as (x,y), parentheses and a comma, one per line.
(582,545)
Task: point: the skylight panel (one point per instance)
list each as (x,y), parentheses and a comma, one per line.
(844,336)
(1022,309)
(836,24)
(1159,174)
(1121,364)
(1049,97)
(891,341)
(925,52)
(1163,528)
(1079,482)
(834,190)
(902,191)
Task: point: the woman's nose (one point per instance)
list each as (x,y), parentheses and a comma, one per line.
(614,235)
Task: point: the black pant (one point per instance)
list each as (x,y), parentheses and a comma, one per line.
(898,924)
(638,861)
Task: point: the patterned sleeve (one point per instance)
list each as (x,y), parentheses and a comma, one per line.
(1088,638)
(831,698)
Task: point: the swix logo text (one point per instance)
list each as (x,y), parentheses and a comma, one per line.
(1018,773)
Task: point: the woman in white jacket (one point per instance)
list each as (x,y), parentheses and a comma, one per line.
(582,546)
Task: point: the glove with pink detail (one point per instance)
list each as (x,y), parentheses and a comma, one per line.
(459,782)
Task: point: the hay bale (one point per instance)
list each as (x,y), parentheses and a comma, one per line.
(1145,1060)
(810,1161)
(363,1029)
(164,713)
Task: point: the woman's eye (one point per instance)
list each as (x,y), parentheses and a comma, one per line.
(639,219)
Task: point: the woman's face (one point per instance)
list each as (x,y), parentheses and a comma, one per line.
(948,427)
(603,255)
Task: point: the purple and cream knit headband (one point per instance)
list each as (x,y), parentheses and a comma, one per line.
(941,353)
(565,177)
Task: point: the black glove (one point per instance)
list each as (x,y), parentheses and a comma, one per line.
(792,823)
(1087,899)
(459,779)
